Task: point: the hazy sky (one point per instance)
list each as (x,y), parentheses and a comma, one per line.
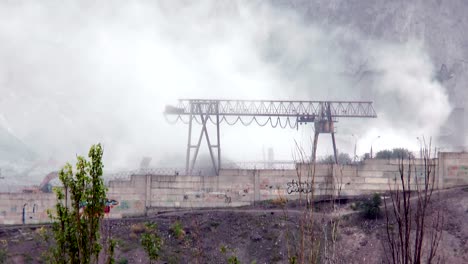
(73,73)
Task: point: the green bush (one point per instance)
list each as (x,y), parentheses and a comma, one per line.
(292,260)
(123,260)
(371,207)
(3,255)
(152,242)
(223,249)
(178,230)
(233,260)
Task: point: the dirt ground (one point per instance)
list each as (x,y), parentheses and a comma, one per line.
(264,233)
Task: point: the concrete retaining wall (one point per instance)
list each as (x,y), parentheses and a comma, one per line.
(25,208)
(453,169)
(244,187)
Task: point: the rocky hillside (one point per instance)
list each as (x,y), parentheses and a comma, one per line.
(439,24)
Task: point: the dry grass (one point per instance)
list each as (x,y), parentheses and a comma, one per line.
(280,201)
(138,228)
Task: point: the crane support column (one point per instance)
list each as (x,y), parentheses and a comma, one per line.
(202,111)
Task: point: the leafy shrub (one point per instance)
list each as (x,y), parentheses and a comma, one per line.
(292,260)
(152,242)
(123,260)
(371,207)
(110,251)
(178,230)
(223,249)
(3,255)
(233,260)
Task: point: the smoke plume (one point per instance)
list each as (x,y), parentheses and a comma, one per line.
(73,73)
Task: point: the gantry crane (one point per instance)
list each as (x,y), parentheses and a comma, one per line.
(263,112)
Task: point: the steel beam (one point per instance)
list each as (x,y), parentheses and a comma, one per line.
(259,108)
(189,146)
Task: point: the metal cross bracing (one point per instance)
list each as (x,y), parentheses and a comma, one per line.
(261,112)
(272,108)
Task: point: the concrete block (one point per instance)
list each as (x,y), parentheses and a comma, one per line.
(455,182)
(358,180)
(350,193)
(155,184)
(10,222)
(391,175)
(234,180)
(176,198)
(383,181)
(177,185)
(369,173)
(375,187)
(154,203)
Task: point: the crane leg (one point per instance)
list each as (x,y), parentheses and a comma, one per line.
(334,147)
(314,149)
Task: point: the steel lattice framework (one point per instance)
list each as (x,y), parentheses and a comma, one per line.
(272,108)
(263,112)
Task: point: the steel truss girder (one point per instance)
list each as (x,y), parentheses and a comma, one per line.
(299,109)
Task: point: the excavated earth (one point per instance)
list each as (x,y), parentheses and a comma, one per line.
(263,233)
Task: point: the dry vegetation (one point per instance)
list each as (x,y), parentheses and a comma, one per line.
(416,224)
(258,233)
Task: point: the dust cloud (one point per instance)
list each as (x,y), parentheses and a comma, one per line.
(73,73)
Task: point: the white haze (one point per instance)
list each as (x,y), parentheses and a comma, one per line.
(73,73)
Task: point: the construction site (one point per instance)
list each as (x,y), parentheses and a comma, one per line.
(247,214)
(278,131)
(148,190)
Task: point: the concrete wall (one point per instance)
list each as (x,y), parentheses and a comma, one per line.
(381,175)
(244,187)
(25,208)
(148,193)
(453,169)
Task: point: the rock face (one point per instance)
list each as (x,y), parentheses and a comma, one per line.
(439,24)
(12,149)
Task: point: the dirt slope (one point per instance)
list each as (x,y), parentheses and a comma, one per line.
(264,233)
